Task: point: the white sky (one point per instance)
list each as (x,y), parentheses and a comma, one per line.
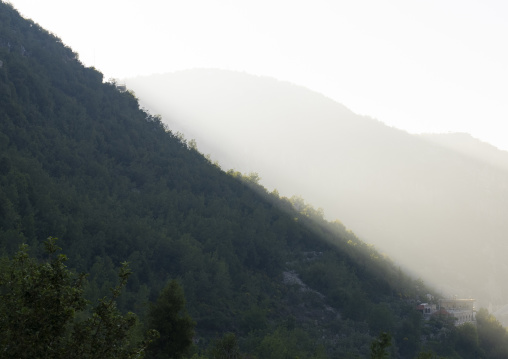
(419,65)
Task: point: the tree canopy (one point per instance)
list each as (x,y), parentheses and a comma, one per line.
(169,317)
(43,313)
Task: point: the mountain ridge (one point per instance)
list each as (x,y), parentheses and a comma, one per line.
(81,161)
(470,146)
(384,183)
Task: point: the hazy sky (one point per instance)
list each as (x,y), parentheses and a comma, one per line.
(423,66)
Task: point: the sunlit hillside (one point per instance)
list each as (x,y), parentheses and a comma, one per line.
(435,210)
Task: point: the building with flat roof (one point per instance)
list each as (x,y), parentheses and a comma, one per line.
(463,310)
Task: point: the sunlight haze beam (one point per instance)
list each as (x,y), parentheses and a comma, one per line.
(433,66)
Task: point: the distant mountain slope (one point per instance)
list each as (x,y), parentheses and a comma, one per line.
(466,144)
(436,211)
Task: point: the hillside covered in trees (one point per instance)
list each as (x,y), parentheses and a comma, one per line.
(445,196)
(79,160)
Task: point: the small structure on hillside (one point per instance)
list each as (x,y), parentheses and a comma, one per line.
(121,87)
(463,310)
(426,309)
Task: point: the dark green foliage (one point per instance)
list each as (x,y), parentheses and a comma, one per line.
(37,302)
(427,355)
(379,347)
(290,343)
(492,336)
(40,304)
(485,339)
(169,317)
(80,160)
(225,348)
(409,333)
(467,341)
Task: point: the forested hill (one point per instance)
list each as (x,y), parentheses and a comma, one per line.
(81,161)
(405,193)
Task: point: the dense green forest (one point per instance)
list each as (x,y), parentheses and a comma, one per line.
(260,275)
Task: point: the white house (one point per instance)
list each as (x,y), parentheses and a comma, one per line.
(462,310)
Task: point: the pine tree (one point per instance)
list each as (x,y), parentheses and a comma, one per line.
(170,318)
